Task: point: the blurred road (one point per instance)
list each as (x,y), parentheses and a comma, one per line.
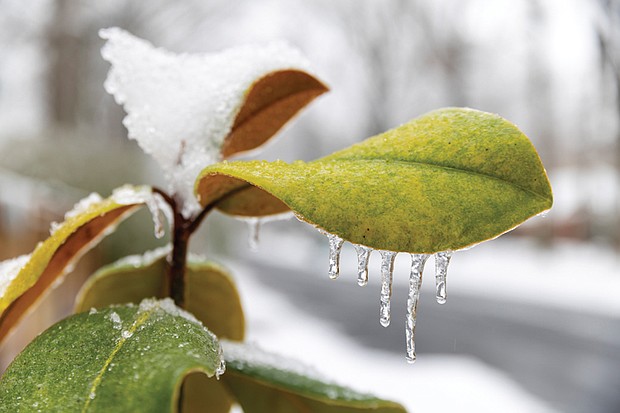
(567,358)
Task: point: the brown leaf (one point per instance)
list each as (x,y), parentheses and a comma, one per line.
(270,102)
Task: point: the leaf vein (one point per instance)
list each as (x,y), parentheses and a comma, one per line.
(142,317)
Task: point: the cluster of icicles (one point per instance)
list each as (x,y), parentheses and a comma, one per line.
(442,259)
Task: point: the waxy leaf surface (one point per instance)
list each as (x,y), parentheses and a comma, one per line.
(211,296)
(265,383)
(444,181)
(122,359)
(53,257)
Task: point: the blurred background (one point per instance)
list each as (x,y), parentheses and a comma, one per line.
(532,322)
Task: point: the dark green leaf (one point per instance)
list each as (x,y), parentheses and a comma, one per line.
(122,359)
(264,383)
(211,296)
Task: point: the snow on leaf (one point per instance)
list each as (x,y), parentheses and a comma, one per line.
(182,107)
(262,381)
(24,281)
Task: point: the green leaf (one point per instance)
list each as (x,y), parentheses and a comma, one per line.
(445,181)
(211,293)
(211,296)
(83,228)
(265,383)
(96,363)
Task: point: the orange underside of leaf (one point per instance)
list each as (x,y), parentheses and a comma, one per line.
(271,102)
(237,197)
(74,246)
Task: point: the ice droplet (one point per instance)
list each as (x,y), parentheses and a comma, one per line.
(159,209)
(387,269)
(442,259)
(153,203)
(363,254)
(335,246)
(415,282)
(221,369)
(253,233)
(126,334)
(92,395)
(116,320)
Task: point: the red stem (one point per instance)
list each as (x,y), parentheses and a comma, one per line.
(182,230)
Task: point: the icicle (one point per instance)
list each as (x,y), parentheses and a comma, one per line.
(154,206)
(253,232)
(363,253)
(387,269)
(221,369)
(335,245)
(415,282)
(442,259)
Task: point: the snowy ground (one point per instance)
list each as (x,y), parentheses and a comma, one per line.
(576,277)
(433,384)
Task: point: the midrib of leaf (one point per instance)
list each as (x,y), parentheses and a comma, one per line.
(142,317)
(438,166)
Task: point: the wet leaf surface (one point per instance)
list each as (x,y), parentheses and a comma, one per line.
(122,359)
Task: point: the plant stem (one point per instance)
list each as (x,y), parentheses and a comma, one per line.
(182,230)
(176,269)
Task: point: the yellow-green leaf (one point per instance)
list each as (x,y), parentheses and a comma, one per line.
(444,181)
(121,359)
(83,228)
(265,383)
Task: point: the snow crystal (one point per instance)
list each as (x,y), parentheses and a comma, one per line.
(82,206)
(9,270)
(252,354)
(116,320)
(245,354)
(128,195)
(181,107)
(143,260)
(167,305)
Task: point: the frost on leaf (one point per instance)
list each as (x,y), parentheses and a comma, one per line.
(9,270)
(181,107)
